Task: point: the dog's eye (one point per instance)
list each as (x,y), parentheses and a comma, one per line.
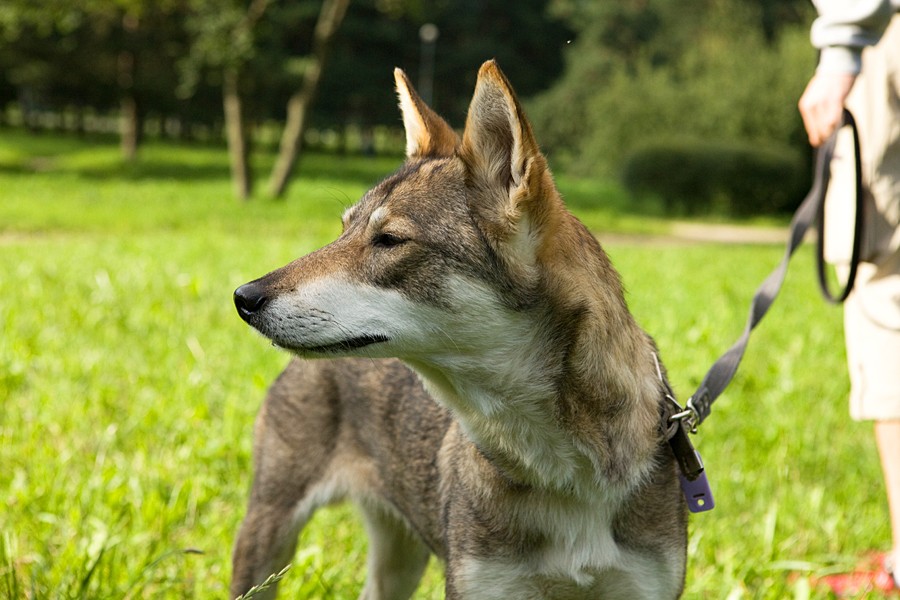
(387,240)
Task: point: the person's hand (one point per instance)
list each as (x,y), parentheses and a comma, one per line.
(822,104)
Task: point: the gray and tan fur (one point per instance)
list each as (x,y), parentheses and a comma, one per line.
(518,435)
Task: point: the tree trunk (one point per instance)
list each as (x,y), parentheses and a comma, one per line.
(236,132)
(129,118)
(236,135)
(129,127)
(330,17)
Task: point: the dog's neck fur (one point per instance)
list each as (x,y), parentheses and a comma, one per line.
(538,405)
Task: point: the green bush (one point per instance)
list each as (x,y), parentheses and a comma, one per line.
(739,179)
(724,81)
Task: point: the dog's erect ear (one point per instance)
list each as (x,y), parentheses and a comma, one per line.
(427,134)
(502,155)
(497,142)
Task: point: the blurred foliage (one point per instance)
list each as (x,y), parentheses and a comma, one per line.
(737,178)
(639,71)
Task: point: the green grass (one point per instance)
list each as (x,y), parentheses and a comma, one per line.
(128,386)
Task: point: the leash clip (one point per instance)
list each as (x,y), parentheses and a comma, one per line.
(688,417)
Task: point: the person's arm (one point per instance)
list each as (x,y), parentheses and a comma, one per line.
(840,33)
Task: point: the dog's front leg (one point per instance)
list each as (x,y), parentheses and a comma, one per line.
(397,555)
(289,481)
(265,545)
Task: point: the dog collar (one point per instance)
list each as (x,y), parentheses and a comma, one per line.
(675,423)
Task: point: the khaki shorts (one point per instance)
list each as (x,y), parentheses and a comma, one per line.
(872,332)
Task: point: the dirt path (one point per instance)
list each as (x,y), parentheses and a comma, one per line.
(733,234)
(681,233)
(684,232)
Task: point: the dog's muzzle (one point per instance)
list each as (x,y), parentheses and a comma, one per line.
(249,299)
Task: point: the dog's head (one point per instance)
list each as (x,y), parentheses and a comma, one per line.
(451,249)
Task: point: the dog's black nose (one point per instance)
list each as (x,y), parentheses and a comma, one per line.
(249,299)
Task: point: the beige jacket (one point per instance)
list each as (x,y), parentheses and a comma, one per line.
(875,103)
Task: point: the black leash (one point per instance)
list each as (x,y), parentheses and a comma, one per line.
(682,421)
(857,227)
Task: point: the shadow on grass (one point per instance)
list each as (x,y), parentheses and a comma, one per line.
(25,154)
(363,170)
(138,171)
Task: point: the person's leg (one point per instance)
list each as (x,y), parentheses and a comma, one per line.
(872,352)
(887,434)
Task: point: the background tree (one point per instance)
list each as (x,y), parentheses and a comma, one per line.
(44,58)
(146,39)
(223,41)
(378,35)
(97,54)
(331,15)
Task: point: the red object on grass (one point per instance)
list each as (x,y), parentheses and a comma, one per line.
(874,576)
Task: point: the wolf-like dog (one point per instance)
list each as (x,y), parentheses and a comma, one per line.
(518,437)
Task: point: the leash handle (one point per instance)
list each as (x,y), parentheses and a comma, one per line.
(848,121)
(722,372)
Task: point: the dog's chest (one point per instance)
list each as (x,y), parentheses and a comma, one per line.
(577,539)
(577,547)
(554,540)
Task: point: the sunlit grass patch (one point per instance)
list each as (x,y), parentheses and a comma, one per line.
(128,387)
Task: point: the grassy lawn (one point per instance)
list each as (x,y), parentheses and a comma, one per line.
(128,386)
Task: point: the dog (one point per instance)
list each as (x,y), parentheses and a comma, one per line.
(480,390)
